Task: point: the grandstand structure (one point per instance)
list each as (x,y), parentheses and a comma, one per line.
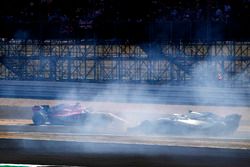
(165,42)
(220,63)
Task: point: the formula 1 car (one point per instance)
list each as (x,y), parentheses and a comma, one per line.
(63,114)
(191,123)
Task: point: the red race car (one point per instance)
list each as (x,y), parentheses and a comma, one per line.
(64,114)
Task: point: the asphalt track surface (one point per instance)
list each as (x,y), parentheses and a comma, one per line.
(60,145)
(24,143)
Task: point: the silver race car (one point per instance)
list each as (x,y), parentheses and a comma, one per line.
(191,123)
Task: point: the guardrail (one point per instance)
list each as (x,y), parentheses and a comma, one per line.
(132,93)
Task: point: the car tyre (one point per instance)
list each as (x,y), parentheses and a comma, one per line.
(39,119)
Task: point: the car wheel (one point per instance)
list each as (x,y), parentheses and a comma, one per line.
(39,119)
